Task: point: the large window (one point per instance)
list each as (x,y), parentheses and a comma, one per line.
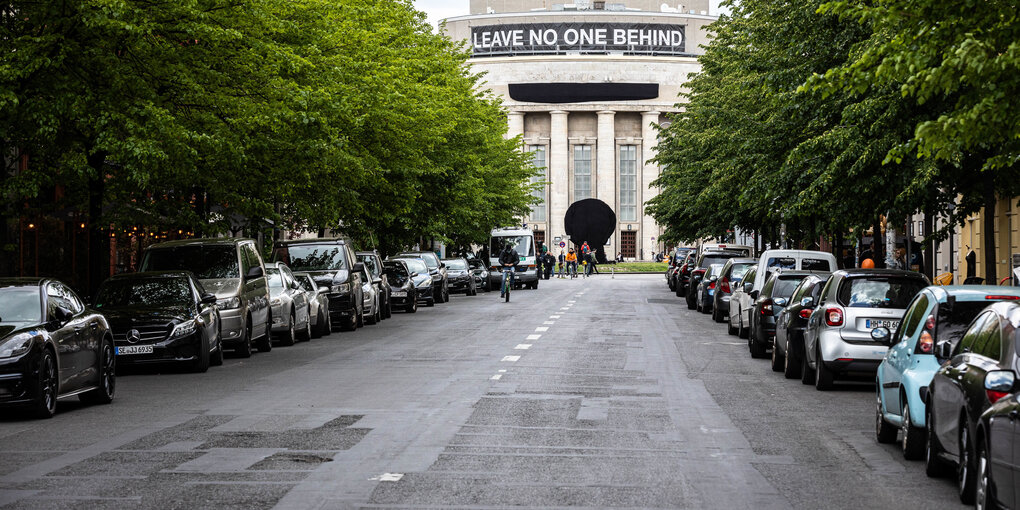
(628,183)
(538,159)
(582,172)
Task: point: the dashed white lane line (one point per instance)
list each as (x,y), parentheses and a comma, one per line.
(533,337)
(496,377)
(550,323)
(388,477)
(502,370)
(510,358)
(523,347)
(554,316)
(571,302)
(542,329)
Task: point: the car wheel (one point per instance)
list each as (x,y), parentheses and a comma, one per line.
(201,363)
(430,302)
(913,437)
(885,433)
(690,301)
(934,466)
(807,374)
(791,364)
(306,332)
(264,344)
(103,394)
(388,309)
(757,348)
(47,383)
(412,304)
(729,326)
(217,355)
(290,336)
(679,291)
(326,327)
(983,499)
(361,318)
(243,348)
(778,360)
(378,312)
(373,317)
(742,331)
(823,376)
(965,476)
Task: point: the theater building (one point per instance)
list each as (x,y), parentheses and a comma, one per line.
(585,84)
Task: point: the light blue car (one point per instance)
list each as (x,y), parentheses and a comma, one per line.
(936,315)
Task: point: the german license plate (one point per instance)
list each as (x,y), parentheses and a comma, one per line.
(400,294)
(881,323)
(134,349)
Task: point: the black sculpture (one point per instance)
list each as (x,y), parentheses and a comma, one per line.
(590,220)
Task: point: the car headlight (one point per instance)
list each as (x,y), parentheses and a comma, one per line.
(184,329)
(229,303)
(16,346)
(343,288)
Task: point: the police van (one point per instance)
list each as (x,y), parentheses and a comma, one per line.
(522,240)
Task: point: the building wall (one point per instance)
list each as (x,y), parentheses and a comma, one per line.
(1007,240)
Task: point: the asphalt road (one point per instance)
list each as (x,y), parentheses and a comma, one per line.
(585,393)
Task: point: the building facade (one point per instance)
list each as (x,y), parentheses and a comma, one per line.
(586,85)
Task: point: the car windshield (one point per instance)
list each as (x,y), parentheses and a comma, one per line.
(713,270)
(431,262)
(879,291)
(396,273)
(476,264)
(371,263)
(416,266)
(274,277)
(709,260)
(144,292)
(20,304)
(207,262)
(785,286)
(459,264)
(953,322)
(739,270)
(523,245)
(316,257)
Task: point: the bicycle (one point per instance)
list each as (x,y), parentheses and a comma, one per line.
(508,282)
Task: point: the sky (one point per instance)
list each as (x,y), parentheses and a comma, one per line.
(441,9)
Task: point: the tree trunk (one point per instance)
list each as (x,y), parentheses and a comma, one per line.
(99,242)
(988,230)
(929,246)
(876,240)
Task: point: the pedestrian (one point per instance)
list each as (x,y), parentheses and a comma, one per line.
(539,260)
(572,263)
(585,249)
(900,257)
(619,256)
(589,261)
(548,263)
(563,262)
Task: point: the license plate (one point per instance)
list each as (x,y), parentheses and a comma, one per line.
(134,349)
(399,294)
(883,323)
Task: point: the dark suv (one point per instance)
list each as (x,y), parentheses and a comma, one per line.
(698,270)
(437,269)
(332,264)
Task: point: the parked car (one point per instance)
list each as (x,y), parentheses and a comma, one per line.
(318,300)
(769,261)
(699,268)
(981,370)
(738,321)
(683,274)
(332,264)
(480,272)
(729,278)
(838,337)
(373,263)
(404,289)
(998,438)
(706,288)
(373,298)
(676,259)
(291,318)
(936,315)
(459,274)
(791,322)
(774,297)
(162,317)
(233,270)
(52,346)
(424,287)
(437,270)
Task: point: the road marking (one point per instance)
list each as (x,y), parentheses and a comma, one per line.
(510,358)
(523,347)
(542,329)
(564,309)
(387,477)
(554,316)
(496,377)
(549,322)
(533,337)
(571,302)
(502,370)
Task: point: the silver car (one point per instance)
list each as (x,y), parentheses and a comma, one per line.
(373,301)
(318,302)
(854,302)
(291,317)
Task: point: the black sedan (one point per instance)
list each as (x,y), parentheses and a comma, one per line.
(788,349)
(458,273)
(999,437)
(160,317)
(405,293)
(979,372)
(52,346)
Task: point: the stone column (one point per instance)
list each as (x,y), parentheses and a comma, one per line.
(559,181)
(649,172)
(605,172)
(515,121)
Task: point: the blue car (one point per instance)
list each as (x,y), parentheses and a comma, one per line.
(936,315)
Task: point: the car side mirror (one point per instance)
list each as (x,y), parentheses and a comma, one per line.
(62,314)
(999,382)
(807,302)
(324,289)
(753,294)
(747,287)
(208,299)
(358,267)
(377,280)
(442,265)
(780,301)
(881,335)
(255,272)
(713,279)
(944,350)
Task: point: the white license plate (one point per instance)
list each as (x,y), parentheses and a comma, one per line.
(134,349)
(399,294)
(884,323)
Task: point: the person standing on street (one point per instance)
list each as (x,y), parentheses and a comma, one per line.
(563,263)
(549,262)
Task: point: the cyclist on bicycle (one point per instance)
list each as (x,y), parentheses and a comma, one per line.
(508,259)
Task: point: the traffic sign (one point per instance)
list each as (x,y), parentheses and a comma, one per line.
(563,244)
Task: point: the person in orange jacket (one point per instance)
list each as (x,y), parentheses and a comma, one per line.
(572,263)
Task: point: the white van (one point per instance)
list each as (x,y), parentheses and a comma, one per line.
(743,297)
(739,248)
(522,240)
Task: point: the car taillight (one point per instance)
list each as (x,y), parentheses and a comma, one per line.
(930,323)
(725,285)
(1002,298)
(711,285)
(805,313)
(994,395)
(766,307)
(926,344)
(698,272)
(833,317)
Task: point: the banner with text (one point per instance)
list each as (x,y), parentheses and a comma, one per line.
(552,38)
